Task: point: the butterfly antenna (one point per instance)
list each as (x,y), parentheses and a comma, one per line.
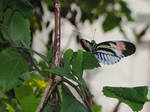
(94,33)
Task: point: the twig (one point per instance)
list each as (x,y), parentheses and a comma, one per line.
(123,32)
(52,89)
(30,59)
(117,107)
(143,32)
(44,97)
(49,89)
(78,91)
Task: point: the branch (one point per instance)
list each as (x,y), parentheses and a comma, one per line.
(56,59)
(117,107)
(143,32)
(44,97)
(123,32)
(49,89)
(57,34)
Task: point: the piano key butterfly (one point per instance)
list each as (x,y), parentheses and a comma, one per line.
(109,52)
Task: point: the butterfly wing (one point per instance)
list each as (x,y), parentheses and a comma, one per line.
(111,52)
(86,45)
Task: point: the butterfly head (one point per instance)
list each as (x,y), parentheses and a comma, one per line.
(93,42)
(93,46)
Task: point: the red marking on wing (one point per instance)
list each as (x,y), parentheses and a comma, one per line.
(86,44)
(120,46)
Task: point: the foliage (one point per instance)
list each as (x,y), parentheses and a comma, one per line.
(96,108)
(70,103)
(113,12)
(12,66)
(26,98)
(23,79)
(9,108)
(75,63)
(134,97)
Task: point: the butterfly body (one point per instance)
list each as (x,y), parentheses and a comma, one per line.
(109,52)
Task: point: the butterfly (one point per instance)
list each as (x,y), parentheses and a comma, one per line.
(109,52)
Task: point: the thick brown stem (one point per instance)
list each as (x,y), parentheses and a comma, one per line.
(57,34)
(44,97)
(56,60)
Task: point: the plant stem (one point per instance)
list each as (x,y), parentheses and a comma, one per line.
(56,60)
(57,43)
(123,32)
(117,107)
(57,34)
(44,97)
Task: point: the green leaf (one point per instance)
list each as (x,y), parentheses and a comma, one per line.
(3,5)
(9,108)
(62,72)
(3,96)
(29,49)
(12,65)
(25,76)
(88,5)
(125,10)
(50,54)
(67,58)
(43,67)
(33,77)
(22,6)
(90,61)
(70,103)
(26,98)
(134,97)
(77,62)
(25,7)
(138,39)
(9,84)
(96,108)
(48,108)
(87,8)
(111,21)
(18,29)
(50,3)
(41,55)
